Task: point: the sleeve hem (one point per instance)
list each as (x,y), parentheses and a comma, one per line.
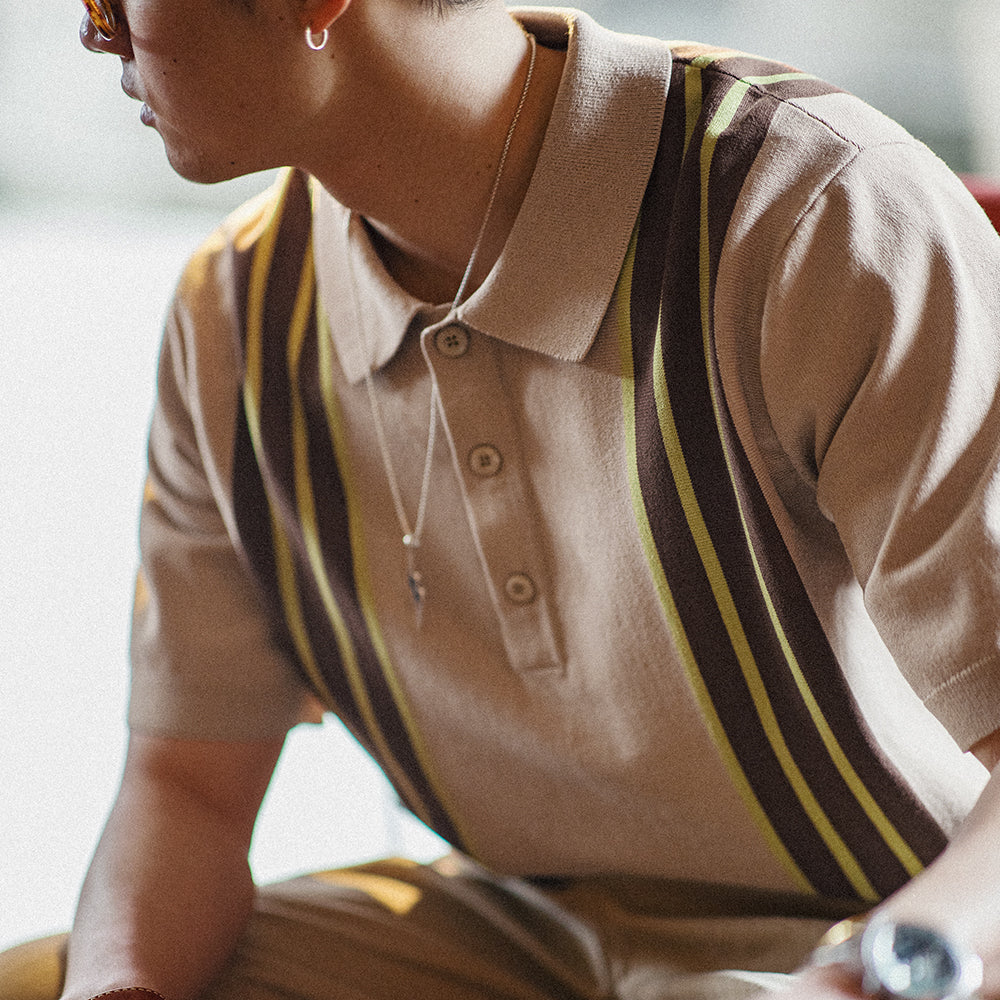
(212,713)
(968,702)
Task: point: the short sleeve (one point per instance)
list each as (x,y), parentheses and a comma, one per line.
(204,661)
(881,370)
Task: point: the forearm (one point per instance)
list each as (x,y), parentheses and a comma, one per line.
(958,895)
(170,889)
(163,903)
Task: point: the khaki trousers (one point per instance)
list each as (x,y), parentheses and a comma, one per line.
(395,930)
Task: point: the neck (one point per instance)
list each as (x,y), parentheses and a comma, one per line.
(423,143)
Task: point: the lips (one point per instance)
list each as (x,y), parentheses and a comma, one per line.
(146,114)
(129,92)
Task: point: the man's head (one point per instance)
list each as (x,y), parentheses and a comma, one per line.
(232,88)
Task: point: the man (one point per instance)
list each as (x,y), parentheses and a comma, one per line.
(607,433)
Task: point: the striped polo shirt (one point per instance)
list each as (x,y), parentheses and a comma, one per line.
(710,554)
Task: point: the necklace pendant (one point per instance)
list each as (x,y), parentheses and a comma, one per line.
(416,584)
(414,578)
(418,592)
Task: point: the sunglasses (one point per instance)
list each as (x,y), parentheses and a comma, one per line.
(102,15)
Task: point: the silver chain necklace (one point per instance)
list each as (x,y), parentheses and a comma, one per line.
(412,534)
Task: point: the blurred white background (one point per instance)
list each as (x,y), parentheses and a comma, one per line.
(94,229)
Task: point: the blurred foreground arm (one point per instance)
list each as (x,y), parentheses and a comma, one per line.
(957,895)
(170,889)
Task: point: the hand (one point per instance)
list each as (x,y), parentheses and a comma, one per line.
(828,983)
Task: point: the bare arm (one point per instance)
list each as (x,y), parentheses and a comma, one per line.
(169,888)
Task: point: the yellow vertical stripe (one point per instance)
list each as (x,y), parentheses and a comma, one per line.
(284,563)
(692,103)
(363,583)
(717,730)
(304,498)
(741,647)
(845,858)
(893,839)
(306,504)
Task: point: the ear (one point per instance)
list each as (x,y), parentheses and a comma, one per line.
(320,14)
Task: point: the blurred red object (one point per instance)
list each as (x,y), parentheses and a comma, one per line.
(986,191)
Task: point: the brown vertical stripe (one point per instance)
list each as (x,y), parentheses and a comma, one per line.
(268,481)
(670,235)
(806,636)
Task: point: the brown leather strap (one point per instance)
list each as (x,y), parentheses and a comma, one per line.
(129,992)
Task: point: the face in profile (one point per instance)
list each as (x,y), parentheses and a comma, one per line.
(215,78)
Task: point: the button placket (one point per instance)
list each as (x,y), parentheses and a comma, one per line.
(485,451)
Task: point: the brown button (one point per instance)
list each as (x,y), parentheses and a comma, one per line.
(485,460)
(452,341)
(520,588)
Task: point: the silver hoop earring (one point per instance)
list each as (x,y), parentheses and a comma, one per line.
(316,42)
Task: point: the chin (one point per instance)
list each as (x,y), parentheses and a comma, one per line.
(207,173)
(200,169)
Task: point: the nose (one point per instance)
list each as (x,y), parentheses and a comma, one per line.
(120,45)
(89,37)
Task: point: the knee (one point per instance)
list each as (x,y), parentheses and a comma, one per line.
(34,970)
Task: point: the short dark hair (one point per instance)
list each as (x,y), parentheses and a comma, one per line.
(440,6)
(443,6)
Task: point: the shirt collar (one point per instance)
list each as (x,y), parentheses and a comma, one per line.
(554,280)
(367,313)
